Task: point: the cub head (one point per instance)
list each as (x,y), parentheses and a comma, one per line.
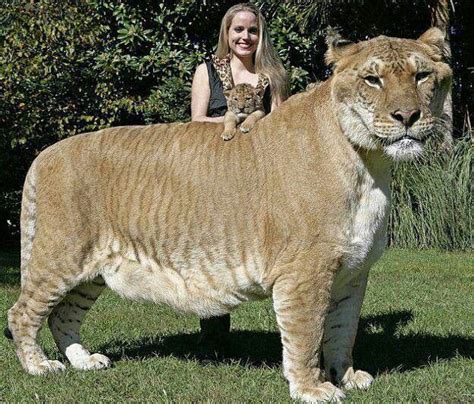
(243,99)
(389,92)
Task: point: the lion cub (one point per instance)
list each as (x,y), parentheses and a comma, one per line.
(245,104)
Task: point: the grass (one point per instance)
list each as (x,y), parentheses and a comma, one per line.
(432,202)
(416,335)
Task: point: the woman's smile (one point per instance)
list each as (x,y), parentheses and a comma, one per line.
(243,34)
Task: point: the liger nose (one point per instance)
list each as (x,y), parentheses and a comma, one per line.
(408,118)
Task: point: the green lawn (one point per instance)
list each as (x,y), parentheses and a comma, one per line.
(416,335)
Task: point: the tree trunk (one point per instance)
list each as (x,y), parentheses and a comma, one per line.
(440,18)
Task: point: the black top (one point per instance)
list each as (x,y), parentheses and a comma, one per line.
(218,103)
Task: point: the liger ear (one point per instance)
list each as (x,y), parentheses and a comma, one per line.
(435,39)
(338,48)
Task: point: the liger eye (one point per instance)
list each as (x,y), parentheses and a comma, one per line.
(373,80)
(421,76)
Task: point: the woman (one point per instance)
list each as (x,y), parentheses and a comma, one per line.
(244,54)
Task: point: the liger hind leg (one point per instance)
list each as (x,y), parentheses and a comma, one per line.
(340,332)
(65,322)
(301,302)
(37,298)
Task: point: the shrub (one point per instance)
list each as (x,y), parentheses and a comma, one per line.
(432,200)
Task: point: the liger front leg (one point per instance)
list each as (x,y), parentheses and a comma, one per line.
(301,297)
(341,329)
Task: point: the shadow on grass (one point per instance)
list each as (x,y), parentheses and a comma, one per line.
(386,350)
(247,347)
(377,351)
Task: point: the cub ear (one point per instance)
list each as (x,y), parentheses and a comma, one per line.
(338,47)
(435,39)
(227,93)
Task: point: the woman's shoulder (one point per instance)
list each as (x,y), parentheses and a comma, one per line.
(208,67)
(203,71)
(202,67)
(213,61)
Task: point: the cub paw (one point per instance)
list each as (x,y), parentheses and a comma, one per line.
(356,379)
(45,367)
(93,362)
(321,393)
(245,128)
(227,134)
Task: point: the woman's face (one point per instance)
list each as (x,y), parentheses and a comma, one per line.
(243,34)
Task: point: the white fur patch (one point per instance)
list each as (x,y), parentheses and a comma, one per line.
(81,358)
(367,233)
(405,149)
(76,354)
(195,285)
(356,123)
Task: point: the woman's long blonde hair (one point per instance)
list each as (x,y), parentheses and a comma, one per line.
(266,59)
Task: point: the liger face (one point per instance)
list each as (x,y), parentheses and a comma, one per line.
(391,96)
(243,34)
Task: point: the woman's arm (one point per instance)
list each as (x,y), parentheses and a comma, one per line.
(200,94)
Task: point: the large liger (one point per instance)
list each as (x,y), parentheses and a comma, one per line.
(295,210)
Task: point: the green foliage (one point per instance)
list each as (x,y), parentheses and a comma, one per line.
(294,46)
(146,60)
(432,203)
(44,69)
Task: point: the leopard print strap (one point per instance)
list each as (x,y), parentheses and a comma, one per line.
(222,67)
(262,84)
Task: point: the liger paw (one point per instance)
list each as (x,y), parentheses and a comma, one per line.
(93,362)
(322,393)
(356,379)
(45,367)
